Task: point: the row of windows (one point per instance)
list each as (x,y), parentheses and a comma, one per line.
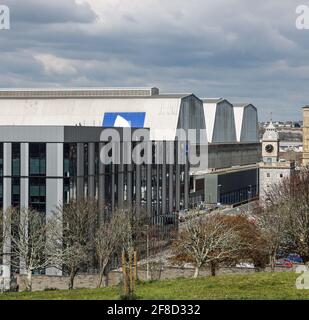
(238,195)
(37,177)
(71,178)
(37,171)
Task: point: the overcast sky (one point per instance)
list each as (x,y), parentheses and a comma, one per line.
(243,50)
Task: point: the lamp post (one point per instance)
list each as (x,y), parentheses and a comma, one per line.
(147,252)
(249,195)
(219,194)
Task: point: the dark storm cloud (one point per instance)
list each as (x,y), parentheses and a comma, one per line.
(239,49)
(49,11)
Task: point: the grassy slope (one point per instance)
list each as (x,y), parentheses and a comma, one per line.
(253,286)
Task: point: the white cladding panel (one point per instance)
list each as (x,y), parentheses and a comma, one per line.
(161,114)
(246,123)
(238,115)
(210,110)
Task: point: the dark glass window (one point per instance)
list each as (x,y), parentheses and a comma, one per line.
(1,192)
(15,192)
(37,173)
(15,174)
(15,159)
(1,159)
(69,170)
(1,175)
(37,154)
(37,194)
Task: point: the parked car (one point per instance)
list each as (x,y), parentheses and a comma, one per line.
(284,263)
(295,258)
(245,265)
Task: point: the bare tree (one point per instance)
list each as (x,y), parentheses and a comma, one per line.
(75,238)
(30,249)
(131,237)
(5,234)
(1,235)
(253,244)
(108,240)
(207,240)
(272,224)
(298,213)
(289,203)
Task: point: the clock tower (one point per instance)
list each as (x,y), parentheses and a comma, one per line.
(270,145)
(272,169)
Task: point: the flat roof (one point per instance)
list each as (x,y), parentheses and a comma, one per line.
(102,93)
(77,92)
(220,171)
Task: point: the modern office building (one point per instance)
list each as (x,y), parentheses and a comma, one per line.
(42,167)
(45,166)
(36,114)
(163,114)
(232,134)
(51,143)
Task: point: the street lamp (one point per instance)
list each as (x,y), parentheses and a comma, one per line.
(147,252)
(249,195)
(219,193)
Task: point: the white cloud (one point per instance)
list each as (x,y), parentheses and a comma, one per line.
(55,65)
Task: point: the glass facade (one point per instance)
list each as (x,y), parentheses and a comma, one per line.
(1,174)
(69,171)
(114,185)
(15,174)
(37,176)
(1,190)
(140,186)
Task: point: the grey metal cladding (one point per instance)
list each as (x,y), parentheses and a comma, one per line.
(90,134)
(31,134)
(78,93)
(53,133)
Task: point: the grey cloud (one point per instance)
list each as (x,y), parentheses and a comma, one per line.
(239,49)
(53,11)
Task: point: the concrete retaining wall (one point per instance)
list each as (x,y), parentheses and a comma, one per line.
(41,283)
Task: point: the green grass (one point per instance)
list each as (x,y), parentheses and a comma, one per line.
(277,286)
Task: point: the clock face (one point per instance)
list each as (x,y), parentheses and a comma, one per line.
(269,148)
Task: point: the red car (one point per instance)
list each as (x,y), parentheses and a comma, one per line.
(284,263)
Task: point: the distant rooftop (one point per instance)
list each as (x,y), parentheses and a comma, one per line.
(108,93)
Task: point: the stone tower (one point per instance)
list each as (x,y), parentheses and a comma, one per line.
(306,136)
(272,169)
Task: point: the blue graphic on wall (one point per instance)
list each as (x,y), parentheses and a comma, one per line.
(124,119)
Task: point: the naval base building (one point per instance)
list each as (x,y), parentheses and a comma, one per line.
(51,142)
